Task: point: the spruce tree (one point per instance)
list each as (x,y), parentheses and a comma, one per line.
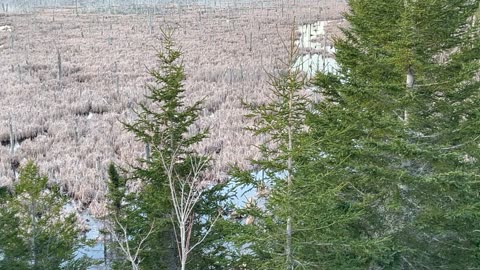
(299,222)
(116,189)
(281,121)
(172,174)
(35,232)
(400,125)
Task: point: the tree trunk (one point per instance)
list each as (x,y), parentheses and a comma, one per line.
(288,247)
(183,245)
(59,65)
(33,240)
(409,84)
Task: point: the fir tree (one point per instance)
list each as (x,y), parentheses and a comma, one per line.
(281,122)
(400,126)
(35,232)
(172,174)
(116,189)
(310,208)
(302,223)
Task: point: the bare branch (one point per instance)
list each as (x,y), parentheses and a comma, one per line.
(123,242)
(206,233)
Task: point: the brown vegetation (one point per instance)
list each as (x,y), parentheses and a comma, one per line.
(67,80)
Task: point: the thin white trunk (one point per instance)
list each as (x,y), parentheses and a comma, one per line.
(185,195)
(288,247)
(183,240)
(184,263)
(33,237)
(410,78)
(122,238)
(409,84)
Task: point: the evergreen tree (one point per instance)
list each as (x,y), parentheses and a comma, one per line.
(127,225)
(300,221)
(116,189)
(400,126)
(281,122)
(172,173)
(122,224)
(35,232)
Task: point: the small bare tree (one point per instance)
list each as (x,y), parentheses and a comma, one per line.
(120,235)
(163,124)
(186,192)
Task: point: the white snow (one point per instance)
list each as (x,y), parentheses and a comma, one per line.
(6,28)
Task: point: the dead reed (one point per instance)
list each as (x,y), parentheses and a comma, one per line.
(67,81)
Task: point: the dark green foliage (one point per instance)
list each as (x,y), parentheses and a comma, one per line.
(4,193)
(382,174)
(163,125)
(116,189)
(35,233)
(214,252)
(406,154)
(302,186)
(281,123)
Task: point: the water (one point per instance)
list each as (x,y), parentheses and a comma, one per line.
(93,233)
(313,63)
(313,38)
(94,225)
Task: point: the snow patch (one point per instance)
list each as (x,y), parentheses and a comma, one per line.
(6,28)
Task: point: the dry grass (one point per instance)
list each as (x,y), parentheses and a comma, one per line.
(70,125)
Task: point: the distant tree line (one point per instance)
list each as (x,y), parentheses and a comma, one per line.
(382,173)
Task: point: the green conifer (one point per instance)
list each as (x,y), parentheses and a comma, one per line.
(36,233)
(399,124)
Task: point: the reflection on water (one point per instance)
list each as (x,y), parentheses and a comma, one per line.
(313,39)
(92,226)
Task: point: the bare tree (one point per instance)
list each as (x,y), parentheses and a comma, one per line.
(122,238)
(185,193)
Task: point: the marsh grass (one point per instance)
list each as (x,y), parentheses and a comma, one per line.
(69,124)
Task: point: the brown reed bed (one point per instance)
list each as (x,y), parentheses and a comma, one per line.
(67,80)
